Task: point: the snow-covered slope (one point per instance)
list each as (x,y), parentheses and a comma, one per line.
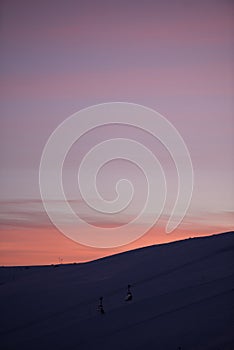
(182,297)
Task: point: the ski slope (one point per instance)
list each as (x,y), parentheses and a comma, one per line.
(182,297)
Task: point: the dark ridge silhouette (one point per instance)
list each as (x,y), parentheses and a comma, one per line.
(181,297)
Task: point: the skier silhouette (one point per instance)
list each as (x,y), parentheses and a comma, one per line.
(129,294)
(100,306)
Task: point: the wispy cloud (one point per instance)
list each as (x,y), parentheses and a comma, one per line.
(32,214)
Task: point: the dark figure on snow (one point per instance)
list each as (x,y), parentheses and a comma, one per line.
(129,294)
(100,306)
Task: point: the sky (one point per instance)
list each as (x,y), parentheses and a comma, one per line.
(58,57)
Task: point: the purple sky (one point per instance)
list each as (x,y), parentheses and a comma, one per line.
(173,56)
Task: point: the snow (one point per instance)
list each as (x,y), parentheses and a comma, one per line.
(182,297)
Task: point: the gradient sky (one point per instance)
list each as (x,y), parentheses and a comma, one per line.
(58,57)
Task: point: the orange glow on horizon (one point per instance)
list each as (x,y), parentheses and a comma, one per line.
(44,246)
